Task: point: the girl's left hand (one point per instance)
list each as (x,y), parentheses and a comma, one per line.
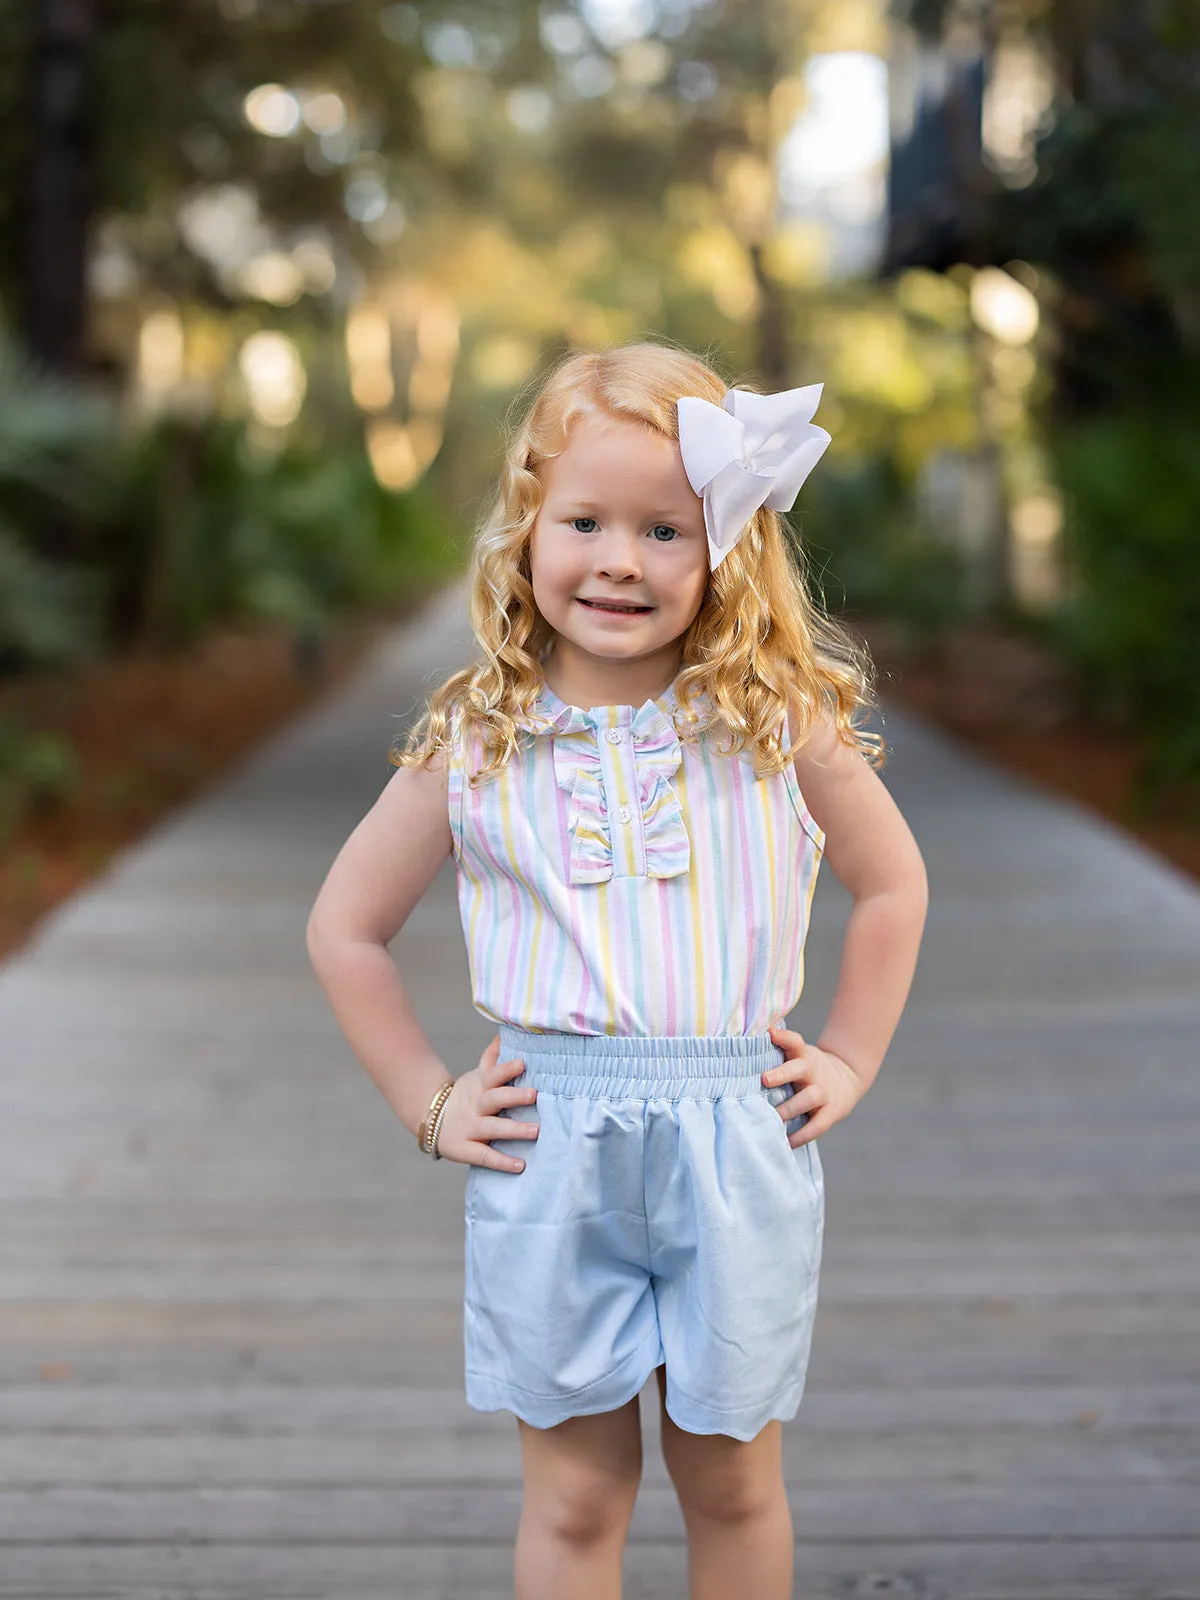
(829,1088)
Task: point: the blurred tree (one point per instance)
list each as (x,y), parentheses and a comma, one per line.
(59,182)
(127,111)
(1112,212)
(1108,205)
(1106,214)
(634,155)
(556,174)
(223,124)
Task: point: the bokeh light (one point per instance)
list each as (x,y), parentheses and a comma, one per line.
(274,376)
(1003,307)
(325,112)
(160,352)
(273,277)
(272,110)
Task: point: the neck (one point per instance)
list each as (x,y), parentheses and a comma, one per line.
(590,683)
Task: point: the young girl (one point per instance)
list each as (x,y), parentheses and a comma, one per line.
(637,783)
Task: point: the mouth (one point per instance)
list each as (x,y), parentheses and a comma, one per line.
(614,608)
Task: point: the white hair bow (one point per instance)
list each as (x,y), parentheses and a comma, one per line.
(755,450)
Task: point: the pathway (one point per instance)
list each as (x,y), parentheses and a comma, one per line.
(230,1359)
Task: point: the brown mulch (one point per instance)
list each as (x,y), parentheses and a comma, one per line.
(1012,700)
(149,730)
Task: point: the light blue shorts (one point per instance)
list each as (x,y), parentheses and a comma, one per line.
(662,1217)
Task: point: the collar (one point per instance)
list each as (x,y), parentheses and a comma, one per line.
(550,714)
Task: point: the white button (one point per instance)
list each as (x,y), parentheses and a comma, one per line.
(623,813)
(614,736)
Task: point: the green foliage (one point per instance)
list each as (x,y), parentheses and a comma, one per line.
(203,527)
(181,524)
(35,769)
(50,432)
(49,610)
(863,536)
(1133,484)
(1112,212)
(168,85)
(51,438)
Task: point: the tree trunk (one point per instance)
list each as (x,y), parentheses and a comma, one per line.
(774,353)
(59,181)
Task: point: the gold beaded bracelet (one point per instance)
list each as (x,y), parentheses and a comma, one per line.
(427,1133)
(436,1126)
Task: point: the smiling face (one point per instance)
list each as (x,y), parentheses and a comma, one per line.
(619,521)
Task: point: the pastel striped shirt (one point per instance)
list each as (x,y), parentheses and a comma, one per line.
(615,879)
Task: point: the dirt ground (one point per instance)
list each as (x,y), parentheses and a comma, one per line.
(150,730)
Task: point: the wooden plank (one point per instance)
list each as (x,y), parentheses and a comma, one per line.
(221,1336)
(463,1570)
(488,1511)
(125,1458)
(934,1346)
(124,1406)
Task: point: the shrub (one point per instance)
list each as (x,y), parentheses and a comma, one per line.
(1132,486)
(51,438)
(867,551)
(205,527)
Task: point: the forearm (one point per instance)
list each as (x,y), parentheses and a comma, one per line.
(372,1005)
(879,958)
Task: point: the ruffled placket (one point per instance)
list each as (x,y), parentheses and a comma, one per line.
(617,766)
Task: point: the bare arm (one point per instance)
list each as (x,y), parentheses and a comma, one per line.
(871,850)
(369,893)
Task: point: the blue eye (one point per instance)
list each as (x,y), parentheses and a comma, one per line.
(591,521)
(665,527)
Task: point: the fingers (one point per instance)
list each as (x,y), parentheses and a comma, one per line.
(489,1061)
(786,1038)
(794,1070)
(813,1129)
(483,1155)
(493,1100)
(486,1128)
(794,1064)
(497,1072)
(810,1099)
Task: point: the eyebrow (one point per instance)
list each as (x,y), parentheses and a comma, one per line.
(585,507)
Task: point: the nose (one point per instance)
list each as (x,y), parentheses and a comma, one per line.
(617,556)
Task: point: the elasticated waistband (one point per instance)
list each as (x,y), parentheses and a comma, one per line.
(698,1066)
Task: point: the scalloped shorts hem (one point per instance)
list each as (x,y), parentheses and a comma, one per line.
(662,1218)
(744,1423)
(618,1388)
(488,1393)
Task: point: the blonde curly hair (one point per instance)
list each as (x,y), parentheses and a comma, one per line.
(758,645)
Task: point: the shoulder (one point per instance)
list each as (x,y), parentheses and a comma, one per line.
(868,841)
(821,746)
(429,769)
(389,860)
(831,773)
(418,787)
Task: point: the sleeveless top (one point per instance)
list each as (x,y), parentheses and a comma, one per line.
(615,879)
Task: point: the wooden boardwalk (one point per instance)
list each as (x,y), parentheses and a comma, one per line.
(230,1357)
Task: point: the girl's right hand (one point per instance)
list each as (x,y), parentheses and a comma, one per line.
(470,1121)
